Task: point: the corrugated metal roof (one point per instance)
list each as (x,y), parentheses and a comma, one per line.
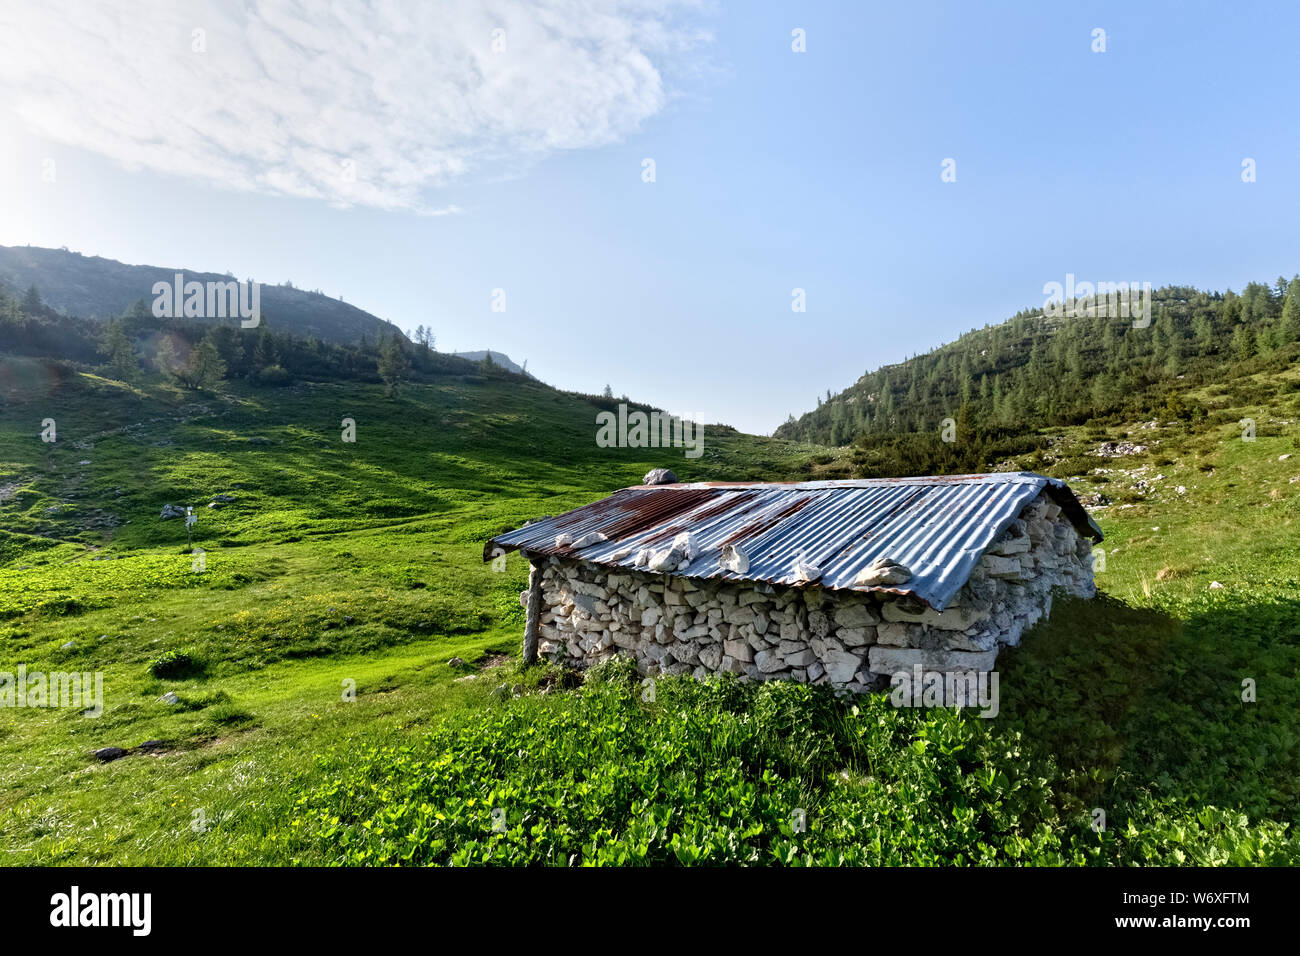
(936,526)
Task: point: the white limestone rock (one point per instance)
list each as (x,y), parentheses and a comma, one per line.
(883,572)
(733,558)
(841,665)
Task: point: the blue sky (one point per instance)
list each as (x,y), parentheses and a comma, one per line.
(522,169)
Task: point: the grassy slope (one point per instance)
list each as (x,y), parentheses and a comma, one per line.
(388,533)
(337,561)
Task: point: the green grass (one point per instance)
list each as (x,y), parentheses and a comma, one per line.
(720,772)
(342,567)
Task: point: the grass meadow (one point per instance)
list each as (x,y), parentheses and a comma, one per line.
(320,719)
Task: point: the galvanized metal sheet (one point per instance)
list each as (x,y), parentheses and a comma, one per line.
(936,526)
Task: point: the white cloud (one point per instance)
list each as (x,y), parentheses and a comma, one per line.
(373,103)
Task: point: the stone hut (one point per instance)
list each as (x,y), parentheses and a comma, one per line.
(826,582)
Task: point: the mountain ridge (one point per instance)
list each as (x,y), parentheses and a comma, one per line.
(1035,369)
(96,287)
(498,358)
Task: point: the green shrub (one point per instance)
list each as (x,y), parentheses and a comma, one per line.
(618,670)
(175,665)
(274,376)
(718,772)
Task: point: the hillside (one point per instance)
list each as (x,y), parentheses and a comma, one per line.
(333,567)
(98,288)
(1033,371)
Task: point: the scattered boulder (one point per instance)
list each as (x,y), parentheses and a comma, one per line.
(456,662)
(659,476)
(169,698)
(109,753)
(1118,449)
(171,511)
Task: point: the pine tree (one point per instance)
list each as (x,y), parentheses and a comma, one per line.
(1203,329)
(265,354)
(165,358)
(392,364)
(116,345)
(32,303)
(1291,313)
(1243,342)
(205,369)
(1174,360)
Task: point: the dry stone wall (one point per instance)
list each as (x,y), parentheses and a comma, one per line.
(848,639)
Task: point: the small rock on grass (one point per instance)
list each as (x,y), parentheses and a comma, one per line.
(109,753)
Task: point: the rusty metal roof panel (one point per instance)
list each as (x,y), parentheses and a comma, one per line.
(936,526)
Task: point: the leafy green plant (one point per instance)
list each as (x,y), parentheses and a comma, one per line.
(175,665)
